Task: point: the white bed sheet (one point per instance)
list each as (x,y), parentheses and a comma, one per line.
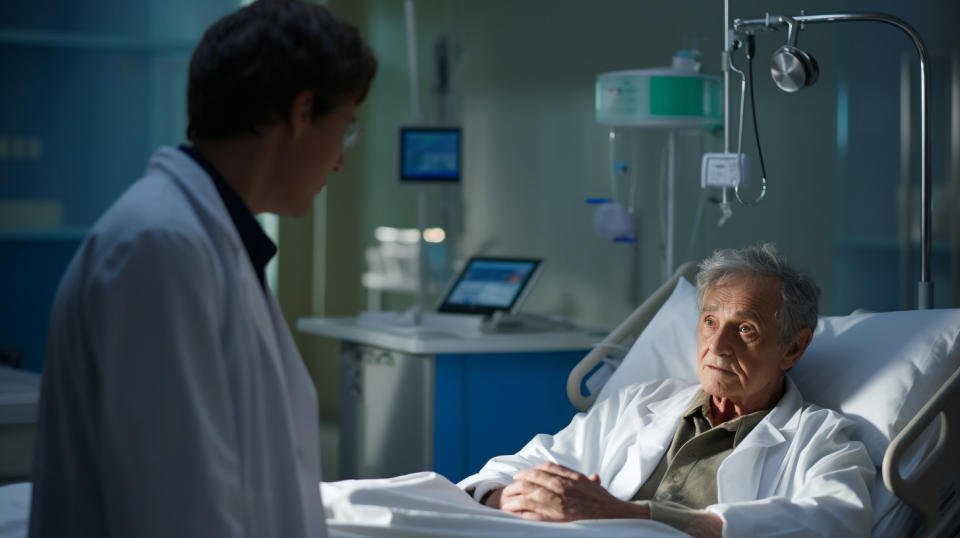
(415,505)
(428,505)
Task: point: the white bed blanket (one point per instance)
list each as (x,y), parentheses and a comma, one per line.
(427,504)
(414,505)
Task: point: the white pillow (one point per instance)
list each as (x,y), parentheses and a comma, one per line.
(878,369)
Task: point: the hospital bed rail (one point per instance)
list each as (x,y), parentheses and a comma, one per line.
(931,489)
(628,329)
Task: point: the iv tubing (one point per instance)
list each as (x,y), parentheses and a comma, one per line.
(671,197)
(613,167)
(726,79)
(756,134)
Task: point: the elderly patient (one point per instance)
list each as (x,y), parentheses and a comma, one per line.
(739,454)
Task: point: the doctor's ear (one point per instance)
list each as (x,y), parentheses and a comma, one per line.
(300,116)
(793,352)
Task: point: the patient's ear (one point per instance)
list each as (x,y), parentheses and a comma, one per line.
(794,351)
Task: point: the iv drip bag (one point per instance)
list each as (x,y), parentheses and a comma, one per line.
(613,221)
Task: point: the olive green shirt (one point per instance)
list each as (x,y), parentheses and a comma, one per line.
(685,480)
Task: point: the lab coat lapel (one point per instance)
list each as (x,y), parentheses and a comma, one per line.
(279,348)
(651,443)
(671,408)
(300,391)
(754,466)
(210,207)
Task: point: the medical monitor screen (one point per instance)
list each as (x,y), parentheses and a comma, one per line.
(489,284)
(430,155)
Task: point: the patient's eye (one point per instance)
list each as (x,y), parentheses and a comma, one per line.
(747,331)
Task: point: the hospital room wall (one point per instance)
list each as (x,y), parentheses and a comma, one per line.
(523,90)
(874,173)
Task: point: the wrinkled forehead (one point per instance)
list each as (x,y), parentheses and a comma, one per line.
(749,294)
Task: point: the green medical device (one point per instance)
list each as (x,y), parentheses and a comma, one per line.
(661,97)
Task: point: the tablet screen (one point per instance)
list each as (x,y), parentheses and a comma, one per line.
(489,284)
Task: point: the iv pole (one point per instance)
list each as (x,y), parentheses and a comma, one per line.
(422,275)
(748,26)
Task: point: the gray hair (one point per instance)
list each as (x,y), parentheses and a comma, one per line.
(798,292)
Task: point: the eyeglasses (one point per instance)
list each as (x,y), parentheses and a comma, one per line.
(351,135)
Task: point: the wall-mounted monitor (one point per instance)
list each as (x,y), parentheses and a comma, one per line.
(431,155)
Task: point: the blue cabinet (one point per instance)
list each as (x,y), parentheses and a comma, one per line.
(412,401)
(488,404)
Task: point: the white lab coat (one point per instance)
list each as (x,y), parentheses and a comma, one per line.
(174,401)
(797,473)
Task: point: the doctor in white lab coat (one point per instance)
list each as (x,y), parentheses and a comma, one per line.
(174,401)
(798,472)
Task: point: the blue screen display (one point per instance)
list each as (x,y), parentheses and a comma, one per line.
(430,154)
(491,283)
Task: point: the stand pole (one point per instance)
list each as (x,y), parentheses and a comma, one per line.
(422,251)
(671,199)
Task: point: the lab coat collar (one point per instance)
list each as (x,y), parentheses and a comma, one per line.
(259,247)
(198,186)
(768,432)
(673,407)
(783,416)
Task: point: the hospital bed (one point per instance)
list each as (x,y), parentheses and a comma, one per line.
(897,374)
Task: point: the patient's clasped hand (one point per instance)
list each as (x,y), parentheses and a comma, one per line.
(739,453)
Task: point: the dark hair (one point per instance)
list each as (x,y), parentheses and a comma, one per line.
(251,64)
(798,292)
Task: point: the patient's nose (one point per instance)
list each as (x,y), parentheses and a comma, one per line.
(722,344)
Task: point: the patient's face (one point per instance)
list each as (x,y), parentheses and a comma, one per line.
(739,356)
